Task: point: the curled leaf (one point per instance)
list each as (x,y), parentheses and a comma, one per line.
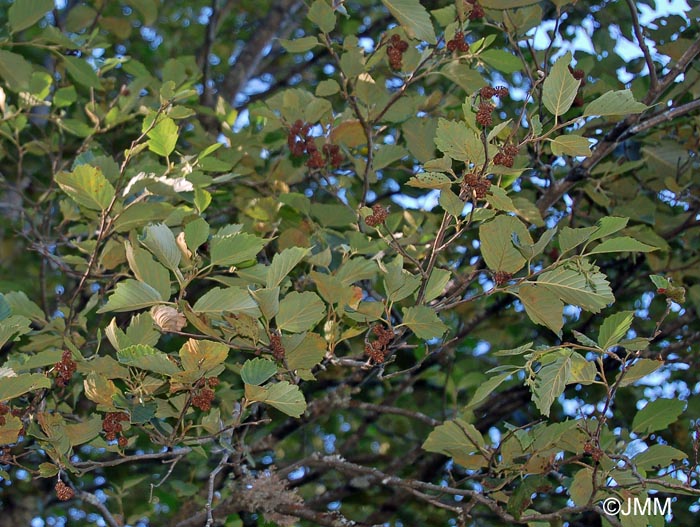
(168,318)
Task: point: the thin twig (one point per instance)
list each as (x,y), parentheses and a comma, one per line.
(95,502)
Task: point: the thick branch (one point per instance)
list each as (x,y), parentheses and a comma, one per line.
(248,60)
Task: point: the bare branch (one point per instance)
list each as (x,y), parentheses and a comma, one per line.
(248,60)
(642,44)
(95,502)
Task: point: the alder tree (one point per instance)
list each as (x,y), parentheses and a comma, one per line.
(360,262)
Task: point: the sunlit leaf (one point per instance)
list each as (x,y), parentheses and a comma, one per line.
(131,295)
(560,88)
(414,18)
(300,311)
(87,186)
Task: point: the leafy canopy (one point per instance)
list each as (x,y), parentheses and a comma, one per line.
(364,262)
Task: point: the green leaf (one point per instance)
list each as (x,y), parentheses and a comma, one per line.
(570,145)
(300,45)
(429,180)
(496,237)
(235,248)
(15,71)
(333,215)
(21,305)
(536,125)
(399,283)
(658,456)
(570,238)
(202,355)
(162,138)
(436,284)
(582,370)
(514,351)
(9,433)
(451,203)
(303,354)
(522,496)
(287,398)
(257,371)
(159,239)
(147,270)
(268,300)
(501,60)
(131,295)
(657,415)
(147,358)
(202,199)
(5,309)
(584,340)
(499,199)
(87,186)
(386,155)
(587,288)
(81,433)
(620,245)
(639,370)
(542,306)
(414,19)
(424,322)
(487,388)
(99,389)
(619,102)
(581,488)
(196,233)
(457,141)
(283,263)
(227,299)
(25,13)
(458,439)
(12,387)
(142,330)
(607,226)
(323,89)
(321,14)
(300,311)
(140,214)
(356,269)
(559,88)
(550,382)
(614,328)
(81,72)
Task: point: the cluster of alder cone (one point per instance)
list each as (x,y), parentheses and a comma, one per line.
(204,395)
(395,50)
(457,43)
(579,75)
(276,347)
(64,369)
(301,142)
(377,349)
(486,108)
(476,10)
(378,215)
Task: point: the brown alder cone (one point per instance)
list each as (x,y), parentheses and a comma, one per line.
(63,491)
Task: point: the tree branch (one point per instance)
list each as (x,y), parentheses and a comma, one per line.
(642,44)
(249,59)
(582,170)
